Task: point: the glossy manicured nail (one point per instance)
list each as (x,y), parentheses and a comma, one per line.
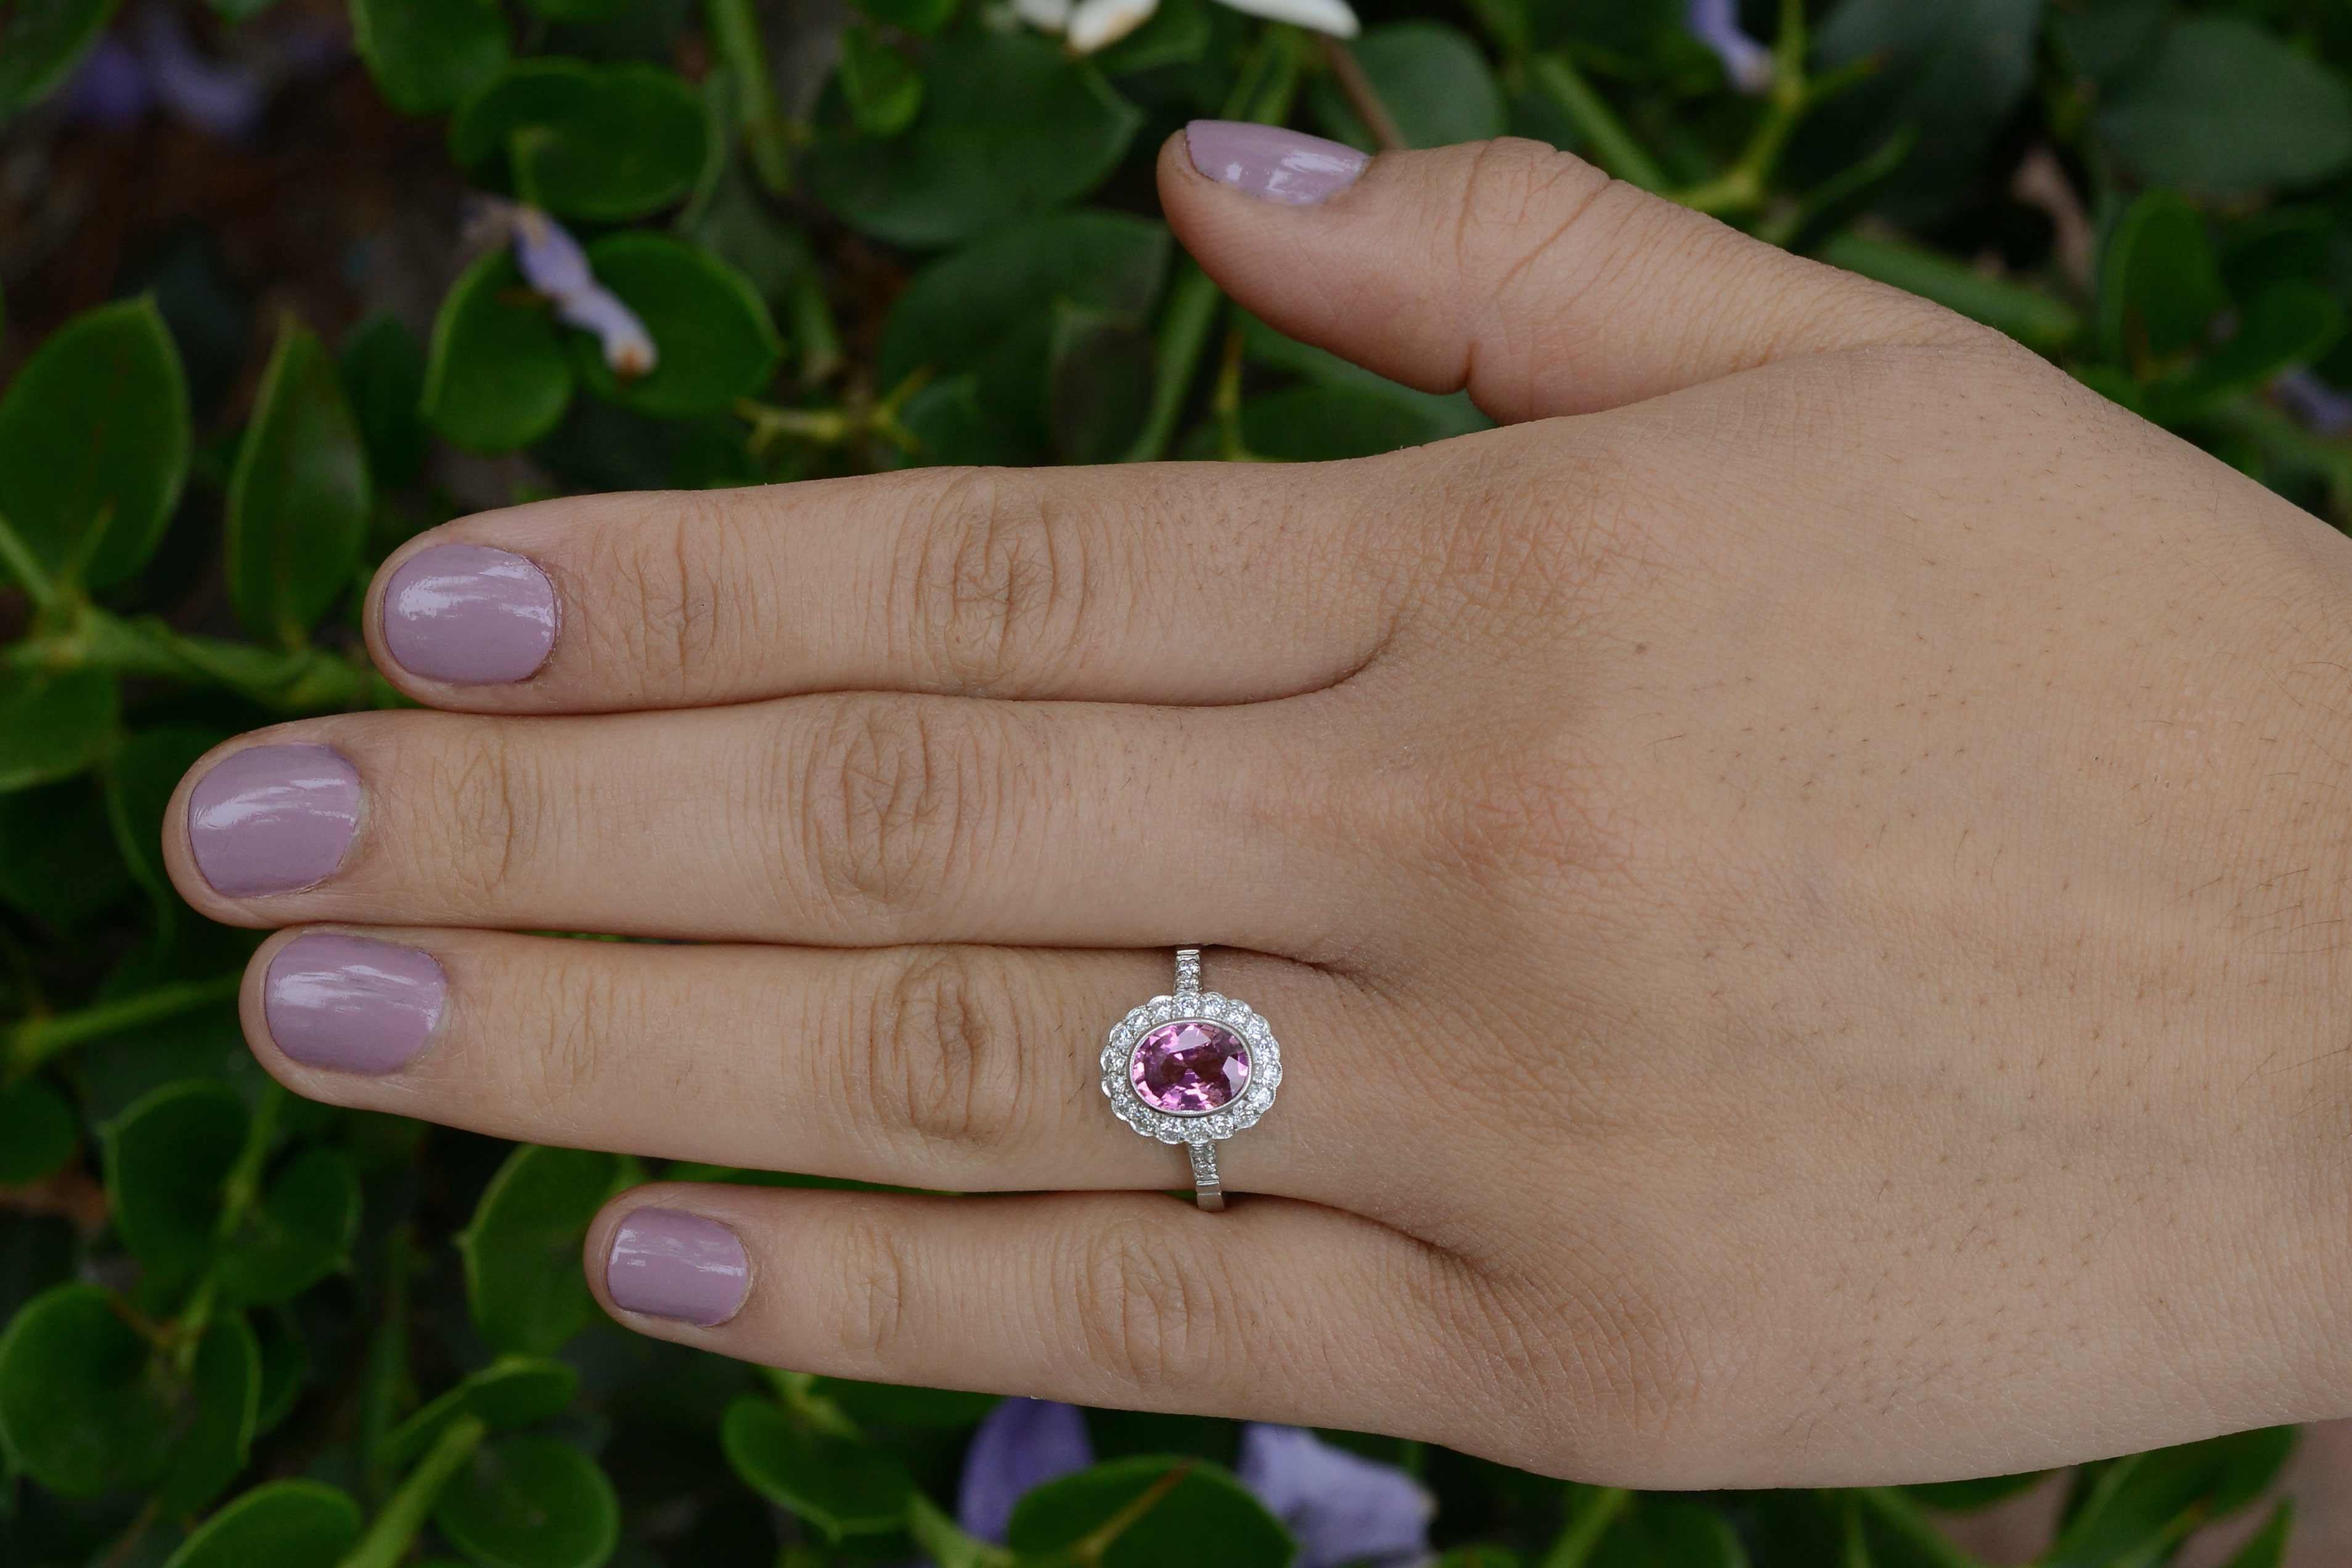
(468,615)
(351,1004)
(273,819)
(668,1264)
(1268,162)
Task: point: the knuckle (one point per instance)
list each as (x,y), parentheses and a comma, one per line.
(1568,535)
(892,795)
(995,583)
(579,1007)
(669,612)
(1526,193)
(938,1058)
(868,1308)
(1151,1316)
(489,798)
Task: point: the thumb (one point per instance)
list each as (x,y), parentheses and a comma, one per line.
(1523,274)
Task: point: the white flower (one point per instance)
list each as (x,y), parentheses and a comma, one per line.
(1087,26)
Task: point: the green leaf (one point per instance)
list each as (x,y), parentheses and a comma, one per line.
(1670,1532)
(54,726)
(900,1404)
(285,1524)
(514,1391)
(1158,1500)
(94,443)
(960,309)
(2159,283)
(530,1502)
(498,377)
(59,863)
(38,1131)
(2282,327)
(1041,314)
(427,56)
(1432,78)
(222,1401)
(843,1487)
(1445,415)
(301,1231)
(2268,1547)
(297,499)
(166,1159)
(1178,34)
(1968,1497)
(1008,126)
(883,90)
(1954,71)
(915,16)
(382,367)
(139,778)
(1098,383)
(714,341)
(2041,322)
(2141,1507)
(80,1411)
(579,10)
(285,1367)
(41,41)
(2224,107)
(1319,423)
(523,1281)
(606,142)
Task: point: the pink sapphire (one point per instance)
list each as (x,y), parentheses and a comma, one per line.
(1189,1066)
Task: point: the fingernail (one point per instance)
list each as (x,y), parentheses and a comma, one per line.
(1268,162)
(273,819)
(352,1004)
(468,615)
(668,1264)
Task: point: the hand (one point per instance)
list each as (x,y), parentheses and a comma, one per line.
(1802,883)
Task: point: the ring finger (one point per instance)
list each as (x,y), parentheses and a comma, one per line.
(855,819)
(965,1068)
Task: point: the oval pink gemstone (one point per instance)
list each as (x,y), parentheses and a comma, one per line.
(1189,1067)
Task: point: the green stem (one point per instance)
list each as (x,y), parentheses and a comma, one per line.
(735,29)
(1267,86)
(1613,146)
(1591,1511)
(813,330)
(239,1188)
(35,1041)
(303,680)
(18,557)
(388,1539)
(1746,184)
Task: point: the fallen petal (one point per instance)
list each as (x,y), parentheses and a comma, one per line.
(1342,1508)
(1020,1444)
(1715,23)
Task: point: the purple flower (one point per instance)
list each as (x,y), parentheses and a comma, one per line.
(1715,23)
(111,90)
(1021,1443)
(1341,1506)
(555,267)
(2315,406)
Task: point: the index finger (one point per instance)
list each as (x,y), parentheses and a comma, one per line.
(1165,582)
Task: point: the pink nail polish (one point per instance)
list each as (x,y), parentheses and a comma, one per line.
(273,819)
(351,1004)
(666,1263)
(1270,163)
(469,614)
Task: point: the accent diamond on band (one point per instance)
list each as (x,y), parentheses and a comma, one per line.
(1192,1068)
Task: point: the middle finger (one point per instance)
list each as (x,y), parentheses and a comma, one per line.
(856,819)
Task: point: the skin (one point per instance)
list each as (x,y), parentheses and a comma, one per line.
(1800,880)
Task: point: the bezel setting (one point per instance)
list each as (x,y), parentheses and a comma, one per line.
(1254,1100)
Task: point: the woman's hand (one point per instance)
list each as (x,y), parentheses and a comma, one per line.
(1803,885)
